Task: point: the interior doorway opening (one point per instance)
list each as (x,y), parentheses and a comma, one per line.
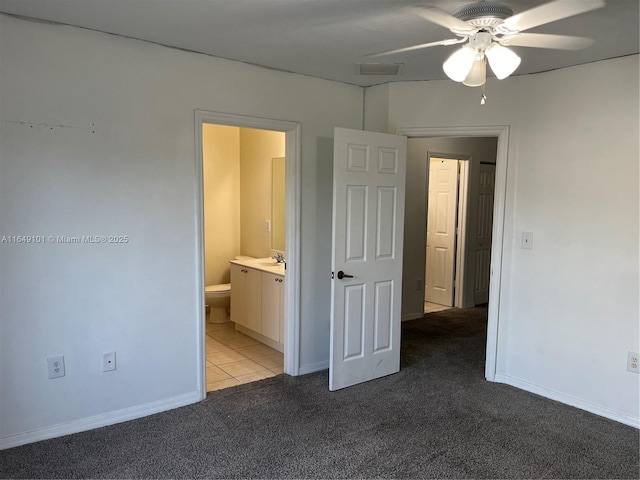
(500,137)
(460,199)
(236,349)
(447,185)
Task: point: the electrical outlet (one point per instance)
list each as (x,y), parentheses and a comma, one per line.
(108,361)
(633,362)
(56,366)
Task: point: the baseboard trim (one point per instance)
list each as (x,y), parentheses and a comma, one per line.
(313,367)
(97,421)
(569,400)
(261,338)
(411,316)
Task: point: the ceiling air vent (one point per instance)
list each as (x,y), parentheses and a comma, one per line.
(379,68)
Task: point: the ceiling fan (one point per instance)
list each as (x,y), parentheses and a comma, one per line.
(486,29)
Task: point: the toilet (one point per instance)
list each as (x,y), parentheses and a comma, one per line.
(217,299)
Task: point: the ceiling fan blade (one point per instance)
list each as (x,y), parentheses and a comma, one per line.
(451,41)
(550,12)
(444,19)
(541,40)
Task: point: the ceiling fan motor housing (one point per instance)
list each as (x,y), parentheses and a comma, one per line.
(483,14)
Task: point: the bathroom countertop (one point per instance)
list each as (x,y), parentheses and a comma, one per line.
(267,264)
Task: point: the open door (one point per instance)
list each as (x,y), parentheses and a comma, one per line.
(441,230)
(369,172)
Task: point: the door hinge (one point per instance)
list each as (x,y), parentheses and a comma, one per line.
(332,276)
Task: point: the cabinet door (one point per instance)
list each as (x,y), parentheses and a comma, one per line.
(238,287)
(281,313)
(271,288)
(253,299)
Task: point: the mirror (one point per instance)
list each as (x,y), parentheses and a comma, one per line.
(278,212)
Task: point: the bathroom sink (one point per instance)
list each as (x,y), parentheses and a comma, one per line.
(265,262)
(276,267)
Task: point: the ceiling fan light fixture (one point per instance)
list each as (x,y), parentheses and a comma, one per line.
(478,74)
(502,60)
(460,63)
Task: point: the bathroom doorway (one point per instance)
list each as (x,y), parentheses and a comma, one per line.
(248,218)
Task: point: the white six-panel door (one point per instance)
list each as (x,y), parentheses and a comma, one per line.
(441,231)
(368,226)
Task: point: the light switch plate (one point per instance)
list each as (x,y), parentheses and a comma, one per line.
(527,241)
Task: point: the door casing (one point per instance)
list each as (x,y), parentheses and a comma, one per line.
(292,234)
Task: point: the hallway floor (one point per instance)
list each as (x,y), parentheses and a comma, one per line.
(234,358)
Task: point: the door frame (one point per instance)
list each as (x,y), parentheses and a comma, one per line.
(502,133)
(461,236)
(292,231)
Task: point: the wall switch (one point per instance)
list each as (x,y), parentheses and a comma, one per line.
(633,362)
(109,361)
(267,225)
(56,366)
(527,241)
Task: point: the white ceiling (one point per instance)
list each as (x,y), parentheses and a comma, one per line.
(328,38)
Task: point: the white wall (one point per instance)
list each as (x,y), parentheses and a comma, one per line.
(569,308)
(221,198)
(413,269)
(376,111)
(123,163)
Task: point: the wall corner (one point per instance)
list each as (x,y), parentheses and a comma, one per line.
(376,108)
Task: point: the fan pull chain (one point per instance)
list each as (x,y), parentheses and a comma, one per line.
(483,99)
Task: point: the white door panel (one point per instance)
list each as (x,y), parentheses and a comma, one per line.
(441,231)
(368,226)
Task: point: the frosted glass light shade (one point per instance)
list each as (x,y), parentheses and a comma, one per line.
(502,61)
(478,74)
(459,64)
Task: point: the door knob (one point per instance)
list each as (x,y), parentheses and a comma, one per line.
(342,275)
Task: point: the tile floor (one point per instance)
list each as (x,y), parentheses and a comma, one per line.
(234,358)
(434,307)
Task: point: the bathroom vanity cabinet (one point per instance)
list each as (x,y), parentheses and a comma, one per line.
(257,301)
(273,306)
(246,297)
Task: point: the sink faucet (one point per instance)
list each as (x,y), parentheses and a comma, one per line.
(278,257)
